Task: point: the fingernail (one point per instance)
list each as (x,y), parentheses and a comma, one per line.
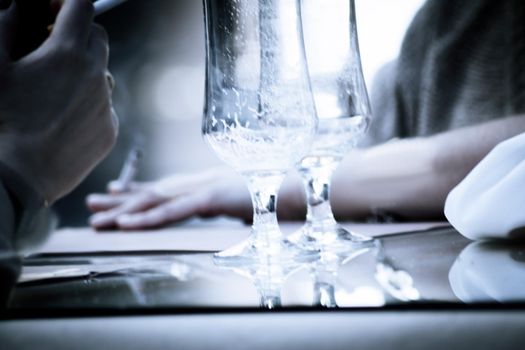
(116,187)
(98,219)
(124,219)
(5,4)
(94,198)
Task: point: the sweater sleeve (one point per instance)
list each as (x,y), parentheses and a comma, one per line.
(26,220)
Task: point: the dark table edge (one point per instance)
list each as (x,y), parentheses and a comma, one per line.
(24,314)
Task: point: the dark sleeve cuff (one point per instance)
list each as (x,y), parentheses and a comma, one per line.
(32,221)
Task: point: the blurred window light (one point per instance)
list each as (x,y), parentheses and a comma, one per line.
(381,26)
(177,92)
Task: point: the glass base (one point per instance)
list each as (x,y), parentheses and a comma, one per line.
(252,253)
(332,238)
(324,295)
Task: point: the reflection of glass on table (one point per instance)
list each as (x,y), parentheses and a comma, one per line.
(173,268)
(268,279)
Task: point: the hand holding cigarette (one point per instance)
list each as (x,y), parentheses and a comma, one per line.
(100,7)
(128,172)
(56,107)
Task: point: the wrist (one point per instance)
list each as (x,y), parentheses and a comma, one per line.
(22,194)
(30,170)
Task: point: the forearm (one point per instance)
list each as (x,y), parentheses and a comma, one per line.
(411,178)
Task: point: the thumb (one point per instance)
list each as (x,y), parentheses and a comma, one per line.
(7,28)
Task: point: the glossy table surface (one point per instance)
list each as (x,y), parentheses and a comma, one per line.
(173,269)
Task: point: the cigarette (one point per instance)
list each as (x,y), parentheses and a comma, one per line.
(129,171)
(102,6)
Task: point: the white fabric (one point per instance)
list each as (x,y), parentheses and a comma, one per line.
(485,272)
(490,201)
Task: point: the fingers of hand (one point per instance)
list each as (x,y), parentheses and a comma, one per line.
(172,211)
(98,45)
(73,23)
(103,202)
(133,204)
(116,187)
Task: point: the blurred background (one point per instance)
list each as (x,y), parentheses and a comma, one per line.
(157,59)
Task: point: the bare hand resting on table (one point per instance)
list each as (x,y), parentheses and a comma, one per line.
(175,198)
(56,119)
(409,178)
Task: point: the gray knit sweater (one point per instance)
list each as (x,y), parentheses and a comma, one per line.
(461,63)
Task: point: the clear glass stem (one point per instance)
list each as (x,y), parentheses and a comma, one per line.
(270,299)
(264,189)
(270,302)
(324,289)
(316,180)
(321,230)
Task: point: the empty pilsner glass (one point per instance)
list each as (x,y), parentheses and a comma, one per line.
(343,109)
(259,111)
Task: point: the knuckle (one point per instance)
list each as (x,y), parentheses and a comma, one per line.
(85,6)
(99,42)
(94,60)
(66,48)
(67,54)
(99,33)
